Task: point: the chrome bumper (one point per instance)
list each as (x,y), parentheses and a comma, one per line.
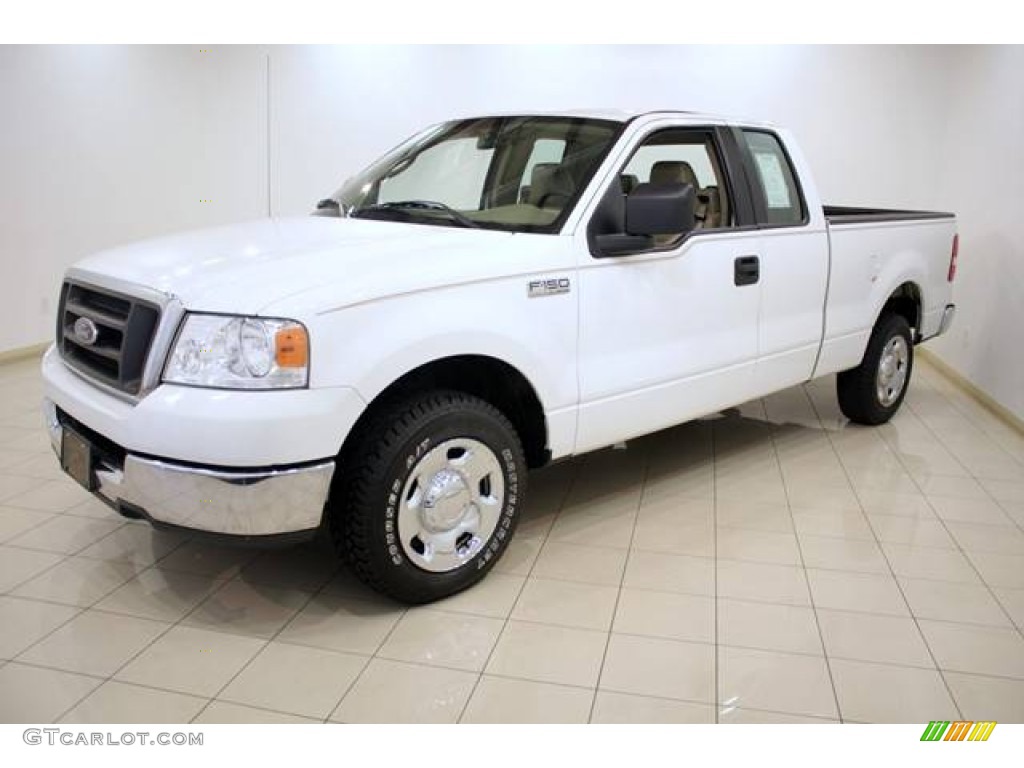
(948,314)
(235,503)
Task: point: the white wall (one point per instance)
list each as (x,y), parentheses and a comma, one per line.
(103,145)
(869,118)
(982,179)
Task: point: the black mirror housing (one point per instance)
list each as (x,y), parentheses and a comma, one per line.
(622,245)
(661,209)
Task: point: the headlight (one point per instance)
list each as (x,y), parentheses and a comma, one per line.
(239,353)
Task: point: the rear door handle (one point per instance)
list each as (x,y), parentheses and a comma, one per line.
(746,270)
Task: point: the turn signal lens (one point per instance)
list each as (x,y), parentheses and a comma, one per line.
(292,347)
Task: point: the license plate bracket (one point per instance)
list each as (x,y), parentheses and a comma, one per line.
(76,458)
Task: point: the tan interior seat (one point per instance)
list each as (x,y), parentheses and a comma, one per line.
(551,186)
(674,172)
(681,172)
(713,211)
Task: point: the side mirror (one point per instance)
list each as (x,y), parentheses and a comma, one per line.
(661,209)
(328,207)
(648,210)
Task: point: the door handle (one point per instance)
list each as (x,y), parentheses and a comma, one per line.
(746,270)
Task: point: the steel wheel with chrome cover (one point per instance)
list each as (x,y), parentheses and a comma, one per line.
(873,391)
(428,495)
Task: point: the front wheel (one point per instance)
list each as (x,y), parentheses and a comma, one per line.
(431,497)
(872,392)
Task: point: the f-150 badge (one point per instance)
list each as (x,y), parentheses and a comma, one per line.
(549,287)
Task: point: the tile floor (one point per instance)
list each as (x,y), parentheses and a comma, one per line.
(772,564)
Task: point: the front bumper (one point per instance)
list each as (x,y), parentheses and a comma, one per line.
(281,502)
(211,427)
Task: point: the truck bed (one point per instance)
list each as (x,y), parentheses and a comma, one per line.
(838,215)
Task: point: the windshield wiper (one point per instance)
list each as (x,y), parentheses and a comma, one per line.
(420,205)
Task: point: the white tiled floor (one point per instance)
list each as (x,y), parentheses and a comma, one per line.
(773,564)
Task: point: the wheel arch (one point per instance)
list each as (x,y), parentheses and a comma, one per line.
(493,380)
(906,301)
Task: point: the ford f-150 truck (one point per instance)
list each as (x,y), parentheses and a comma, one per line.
(494,294)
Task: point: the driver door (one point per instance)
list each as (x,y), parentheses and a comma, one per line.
(670,333)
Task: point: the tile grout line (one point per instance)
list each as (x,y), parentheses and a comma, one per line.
(19,534)
(522,588)
(1013,522)
(219,585)
(674,640)
(714,561)
(952,536)
(110,677)
(888,562)
(158,565)
(65,555)
(957,406)
(80,612)
(622,579)
(103,681)
(312,595)
(362,671)
(369,660)
(800,552)
(506,676)
(42,482)
(952,404)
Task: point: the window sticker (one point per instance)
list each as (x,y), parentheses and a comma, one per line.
(773,179)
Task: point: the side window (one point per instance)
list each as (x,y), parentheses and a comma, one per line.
(689,157)
(776,182)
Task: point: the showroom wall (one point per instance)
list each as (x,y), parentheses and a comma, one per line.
(982,179)
(104,145)
(869,118)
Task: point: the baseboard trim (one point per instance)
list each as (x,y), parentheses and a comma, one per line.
(962,382)
(23,353)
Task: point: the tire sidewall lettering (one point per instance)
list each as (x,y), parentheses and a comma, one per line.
(492,548)
(508,513)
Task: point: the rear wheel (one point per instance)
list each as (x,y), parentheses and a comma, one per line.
(873,391)
(430,497)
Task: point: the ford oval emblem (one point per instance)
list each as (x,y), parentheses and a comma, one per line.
(85,331)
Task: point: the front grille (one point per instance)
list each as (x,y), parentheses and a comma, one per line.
(125,328)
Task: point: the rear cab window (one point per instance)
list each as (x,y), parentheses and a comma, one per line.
(777,197)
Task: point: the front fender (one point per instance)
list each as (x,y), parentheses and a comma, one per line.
(372,345)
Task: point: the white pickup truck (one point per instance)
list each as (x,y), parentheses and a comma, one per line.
(494,294)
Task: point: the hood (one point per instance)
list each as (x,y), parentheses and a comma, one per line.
(244,268)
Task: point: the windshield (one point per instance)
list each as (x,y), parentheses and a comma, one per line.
(522,174)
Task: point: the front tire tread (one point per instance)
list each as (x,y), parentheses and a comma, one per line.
(352,513)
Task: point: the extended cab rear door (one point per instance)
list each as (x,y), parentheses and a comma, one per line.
(670,332)
(794,258)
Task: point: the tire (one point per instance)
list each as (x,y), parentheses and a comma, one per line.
(868,394)
(412,510)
